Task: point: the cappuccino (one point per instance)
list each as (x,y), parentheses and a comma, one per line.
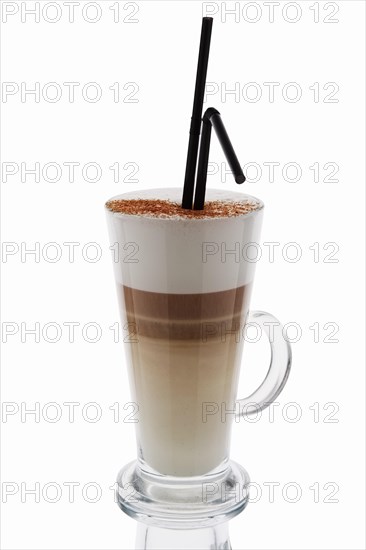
(183,308)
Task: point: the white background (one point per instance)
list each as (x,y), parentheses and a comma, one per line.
(158,52)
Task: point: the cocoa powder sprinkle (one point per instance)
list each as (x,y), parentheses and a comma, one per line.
(169,209)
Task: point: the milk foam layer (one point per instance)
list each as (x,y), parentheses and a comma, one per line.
(184,255)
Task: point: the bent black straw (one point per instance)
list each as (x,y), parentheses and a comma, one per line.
(195,127)
(199,197)
(212,116)
(224,139)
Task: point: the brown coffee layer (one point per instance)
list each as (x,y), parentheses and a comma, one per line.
(185,316)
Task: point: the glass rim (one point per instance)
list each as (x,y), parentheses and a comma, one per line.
(175,218)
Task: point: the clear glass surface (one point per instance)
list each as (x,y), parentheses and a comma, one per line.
(184,302)
(155,538)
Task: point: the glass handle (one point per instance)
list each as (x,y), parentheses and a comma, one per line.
(279,367)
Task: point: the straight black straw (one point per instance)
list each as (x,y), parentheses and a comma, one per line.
(195,127)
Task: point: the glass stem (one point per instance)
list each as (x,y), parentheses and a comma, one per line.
(156,538)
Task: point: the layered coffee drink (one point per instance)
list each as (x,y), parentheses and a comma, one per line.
(185,364)
(184,297)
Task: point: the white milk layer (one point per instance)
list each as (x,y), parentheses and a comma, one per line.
(184,255)
(182,389)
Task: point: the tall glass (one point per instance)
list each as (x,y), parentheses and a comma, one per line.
(184,287)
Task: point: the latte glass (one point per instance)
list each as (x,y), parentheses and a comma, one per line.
(184,287)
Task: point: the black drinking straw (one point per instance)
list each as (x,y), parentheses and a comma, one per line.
(212,118)
(195,128)
(199,197)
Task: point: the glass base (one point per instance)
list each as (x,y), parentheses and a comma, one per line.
(182,503)
(149,537)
